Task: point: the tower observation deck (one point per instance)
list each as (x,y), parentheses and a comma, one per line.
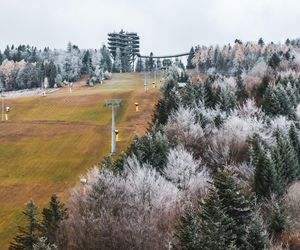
(127,42)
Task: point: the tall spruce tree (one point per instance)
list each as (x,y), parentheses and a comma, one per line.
(52,216)
(241,92)
(187,231)
(295,140)
(214,221)
(227,214)
(189,64)
(265,174)
(29,234)
(235,204)
(285,161)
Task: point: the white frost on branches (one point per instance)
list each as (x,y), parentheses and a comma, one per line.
(184,171)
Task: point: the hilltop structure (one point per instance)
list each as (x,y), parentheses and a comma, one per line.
(127,42)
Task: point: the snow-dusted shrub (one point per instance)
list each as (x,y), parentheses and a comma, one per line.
(182,126)
(107,75)
(272,126)
(229,144)
(249,110)
(225,83)
(134,210)
(298,112)
(254,76)
(184,171)
(58,80)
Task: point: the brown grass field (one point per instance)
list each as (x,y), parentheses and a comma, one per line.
(50,141)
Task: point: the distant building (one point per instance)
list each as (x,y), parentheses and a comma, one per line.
(129,41)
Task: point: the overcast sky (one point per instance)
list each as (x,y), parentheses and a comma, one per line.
(164,26)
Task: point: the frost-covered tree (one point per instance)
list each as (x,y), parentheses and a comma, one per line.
(123,211)
(184,171)
(43,245)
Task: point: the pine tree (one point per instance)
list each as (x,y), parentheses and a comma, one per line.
(285,162)
(215,222)
(167,103)
(187,231)
(52,217)
(270,103)
(261,42)
(295,140)
(226,99)
(29,234)
(211,97)
(277,218)
(105,62)
(274,61)
(265,175)
(87,67)
(235,205)
(189,64)
(241,92)
(257,236)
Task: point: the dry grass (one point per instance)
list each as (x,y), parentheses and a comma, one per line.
(49,141)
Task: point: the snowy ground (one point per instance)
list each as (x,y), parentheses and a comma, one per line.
(27,92)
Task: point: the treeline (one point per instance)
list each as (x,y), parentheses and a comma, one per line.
(27,67)
(230,59)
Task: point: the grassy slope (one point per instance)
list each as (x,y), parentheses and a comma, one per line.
(49,141)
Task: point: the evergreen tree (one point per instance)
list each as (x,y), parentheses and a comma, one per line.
(187,231)
(87,67)
(215,222)
(285,162)
(105,62)
(29,234)
(274,61)
(295,140)
(167,103)
(151,148)
(211,97)
(277,218)
(257,237)
(52,216)
(227,213)
(241,92)
(261,42)
(261,89)
(235,204)
(226,99)
(189,64)
(265,175)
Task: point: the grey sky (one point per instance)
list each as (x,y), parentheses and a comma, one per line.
(164,26)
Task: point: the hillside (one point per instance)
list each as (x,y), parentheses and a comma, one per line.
(50,141)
